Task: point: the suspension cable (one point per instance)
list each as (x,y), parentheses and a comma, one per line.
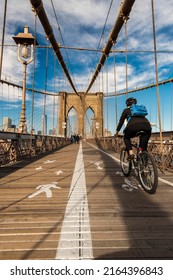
(107,126)
(101,39)
(115,87)
(53,122)
(34,65)
(2,98)
(3,35)
(38,5)
(143,88)
(156,72)
(124,12)
(171,104)
(126,47)
(59,29)
(44,111)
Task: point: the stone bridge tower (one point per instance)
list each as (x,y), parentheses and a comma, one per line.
(81,103)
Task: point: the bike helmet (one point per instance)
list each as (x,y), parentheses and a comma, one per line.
(131,101)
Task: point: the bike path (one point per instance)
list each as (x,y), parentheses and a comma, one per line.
(76,204)
(126,222)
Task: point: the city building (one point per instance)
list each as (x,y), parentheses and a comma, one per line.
(44,124)
(7,123)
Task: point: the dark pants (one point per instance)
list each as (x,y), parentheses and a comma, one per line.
(131,131)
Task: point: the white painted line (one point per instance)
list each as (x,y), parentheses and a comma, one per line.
(116,159)
(165,181)
(76,244)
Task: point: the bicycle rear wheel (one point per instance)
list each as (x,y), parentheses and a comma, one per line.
(148,173)
(126,164)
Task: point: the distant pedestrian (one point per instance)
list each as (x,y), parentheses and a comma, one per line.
(77,138)
(72,139)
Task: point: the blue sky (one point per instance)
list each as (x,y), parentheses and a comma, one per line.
(81,24)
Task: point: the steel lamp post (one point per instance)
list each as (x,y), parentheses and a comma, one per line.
(25,42)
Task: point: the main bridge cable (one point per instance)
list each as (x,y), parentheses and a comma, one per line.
(142,88)
(29,89)
(101,37)
(38,6)
(124,12)
(110,95)
(3,35)
(157,79)
(59,29)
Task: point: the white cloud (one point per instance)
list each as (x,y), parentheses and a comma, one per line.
(81,24)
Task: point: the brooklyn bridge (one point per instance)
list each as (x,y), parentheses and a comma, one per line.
(66,70)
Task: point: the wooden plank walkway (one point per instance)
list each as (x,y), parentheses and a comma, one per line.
(51,209)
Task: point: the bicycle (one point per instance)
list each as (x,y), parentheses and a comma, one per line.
(143,165)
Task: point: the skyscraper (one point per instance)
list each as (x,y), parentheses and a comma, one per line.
(7,122)
(44,124)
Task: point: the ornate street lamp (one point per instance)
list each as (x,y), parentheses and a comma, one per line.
(25,42)
(64,128)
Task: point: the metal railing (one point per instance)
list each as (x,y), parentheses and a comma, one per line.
(17,146)
(163,157)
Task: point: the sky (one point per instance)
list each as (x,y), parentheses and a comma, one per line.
(87,24)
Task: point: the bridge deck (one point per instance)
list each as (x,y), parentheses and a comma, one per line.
(75,204)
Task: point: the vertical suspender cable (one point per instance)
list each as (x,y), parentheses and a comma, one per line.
(171,105)
(103,108)
(33,80)
(8,98)
(2,108)
(58,86)
(99,82)
(53,124)
(126,47)
(107,94)
(115,86)
(14,112)
(163,106)
(3,35)
(123,13)
(38,5)
(102,82)
(156,71)
(44,109)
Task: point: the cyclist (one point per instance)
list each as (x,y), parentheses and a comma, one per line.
(134,125)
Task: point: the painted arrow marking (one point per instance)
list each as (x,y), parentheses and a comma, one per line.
(45,189)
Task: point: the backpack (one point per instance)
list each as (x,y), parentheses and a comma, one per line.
(138,111)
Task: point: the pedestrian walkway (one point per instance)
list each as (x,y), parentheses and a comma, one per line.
(75,203)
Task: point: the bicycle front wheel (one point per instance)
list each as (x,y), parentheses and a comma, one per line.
(148,173)
(126,164)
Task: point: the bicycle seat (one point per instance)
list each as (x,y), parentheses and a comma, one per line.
(139,133)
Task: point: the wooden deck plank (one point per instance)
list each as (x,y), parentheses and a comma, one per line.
(124,224)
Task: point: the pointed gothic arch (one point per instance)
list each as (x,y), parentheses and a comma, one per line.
(80,102)
(89,117)
(72,121)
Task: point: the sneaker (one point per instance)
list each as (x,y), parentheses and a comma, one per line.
(131,157)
